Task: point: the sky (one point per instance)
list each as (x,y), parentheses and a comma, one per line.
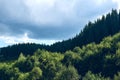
(48,21)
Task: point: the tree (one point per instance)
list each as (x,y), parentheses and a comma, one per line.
(23,76)
(69,73)
(21,57)
(90,76)
(35,74)
(117,76)
(25,65)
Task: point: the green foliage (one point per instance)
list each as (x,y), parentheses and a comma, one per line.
(71,58)
(90,76)
(25,64)
(21,58)
(49,63)
(117,77)
(23,76)
(35,74)
(69,73)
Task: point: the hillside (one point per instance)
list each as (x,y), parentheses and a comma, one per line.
(91,62)
(109,24)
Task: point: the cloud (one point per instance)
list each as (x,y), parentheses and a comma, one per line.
(49,19)
(9,40)
(118,3)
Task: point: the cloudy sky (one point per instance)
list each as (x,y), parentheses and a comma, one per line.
(48,21)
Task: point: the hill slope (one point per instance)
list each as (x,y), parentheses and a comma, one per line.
(93,32)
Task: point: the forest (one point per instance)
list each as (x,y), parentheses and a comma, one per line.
(93,54)
(91,62)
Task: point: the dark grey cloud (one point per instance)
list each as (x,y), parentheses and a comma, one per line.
(38,32)
(13,11)
(58,19)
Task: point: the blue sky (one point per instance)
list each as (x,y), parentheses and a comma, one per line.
(48,21)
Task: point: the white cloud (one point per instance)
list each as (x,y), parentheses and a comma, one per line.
(118,3)
(50,11)
(10,40)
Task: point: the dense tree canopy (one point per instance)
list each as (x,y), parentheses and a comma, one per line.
(91,62)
